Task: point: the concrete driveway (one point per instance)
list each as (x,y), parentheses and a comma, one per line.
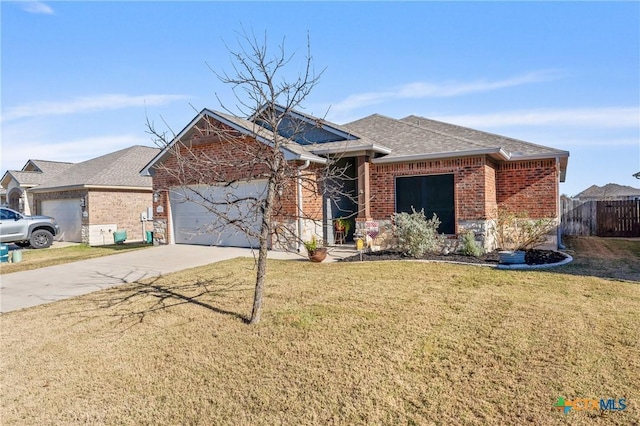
(30,288)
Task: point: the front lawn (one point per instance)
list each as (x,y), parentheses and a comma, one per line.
(34,259)
(361,343)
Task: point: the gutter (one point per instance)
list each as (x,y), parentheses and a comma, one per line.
(496,151)
(351,148)
(38,189)
(300,211)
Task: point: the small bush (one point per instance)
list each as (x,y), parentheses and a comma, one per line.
(416,234)
(469,245)
(518,232)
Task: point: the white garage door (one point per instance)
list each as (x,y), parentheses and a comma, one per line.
(195,223)
(68,214)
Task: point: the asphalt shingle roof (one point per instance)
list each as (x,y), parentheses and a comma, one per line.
(415,135)
(609,190)
(36,172)
(120,168)
(485,139)
(27,178)
(50,168)
(406,139)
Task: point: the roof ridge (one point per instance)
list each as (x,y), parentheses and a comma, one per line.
(482,131)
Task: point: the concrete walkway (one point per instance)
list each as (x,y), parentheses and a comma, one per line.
(30,288)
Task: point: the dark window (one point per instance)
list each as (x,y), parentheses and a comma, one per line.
(434,194)
(7,215)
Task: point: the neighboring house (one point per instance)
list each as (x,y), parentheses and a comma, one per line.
(3,197)
(92,199)
(17,183)
(608,192)
(460,174)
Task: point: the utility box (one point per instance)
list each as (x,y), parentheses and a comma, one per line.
(119,237)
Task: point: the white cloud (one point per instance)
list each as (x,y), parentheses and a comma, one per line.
(37,7)
(417,90)
(605,117)
(86,104)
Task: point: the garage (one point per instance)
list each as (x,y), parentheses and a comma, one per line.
(194,220)
(68,214)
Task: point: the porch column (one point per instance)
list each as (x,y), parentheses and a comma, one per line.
(364,197)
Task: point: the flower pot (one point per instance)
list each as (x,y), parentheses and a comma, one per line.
(318,255)
(511,257)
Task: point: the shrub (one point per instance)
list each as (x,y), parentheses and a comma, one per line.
(469,245)
(518,232)
(416,234)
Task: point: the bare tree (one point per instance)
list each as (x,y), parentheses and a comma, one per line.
(258,139)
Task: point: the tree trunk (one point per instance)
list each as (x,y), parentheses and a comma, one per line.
(261,272)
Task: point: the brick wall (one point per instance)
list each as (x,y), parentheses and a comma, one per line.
(107,206)
(473,185)
(490,199)
(528,186)
(209,160)
(122,208)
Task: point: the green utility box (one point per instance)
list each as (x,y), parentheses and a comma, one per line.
(119,237)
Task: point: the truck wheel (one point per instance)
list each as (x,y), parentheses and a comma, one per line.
(41,239)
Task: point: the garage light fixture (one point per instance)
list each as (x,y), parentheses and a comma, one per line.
(82,202)
(156,197)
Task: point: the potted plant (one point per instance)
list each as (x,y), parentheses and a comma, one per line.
(342,224)
(342,227)
(315,250)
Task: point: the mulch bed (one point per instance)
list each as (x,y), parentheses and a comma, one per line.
(532,257)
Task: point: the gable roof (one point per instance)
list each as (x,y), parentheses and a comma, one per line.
(389,140)
(609,190)
(35,172)
(292,150)
(118,169)
(45,166)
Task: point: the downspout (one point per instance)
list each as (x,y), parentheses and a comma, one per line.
(300,211)
(559,227)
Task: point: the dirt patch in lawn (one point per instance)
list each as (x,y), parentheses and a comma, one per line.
(617,258)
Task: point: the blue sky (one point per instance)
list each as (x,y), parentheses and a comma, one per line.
(79,78)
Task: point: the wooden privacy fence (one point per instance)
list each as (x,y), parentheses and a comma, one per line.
(601,218)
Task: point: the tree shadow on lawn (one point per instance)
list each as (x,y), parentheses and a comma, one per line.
(133,301)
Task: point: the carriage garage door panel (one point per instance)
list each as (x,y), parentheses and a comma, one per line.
(68,214)
(195,221)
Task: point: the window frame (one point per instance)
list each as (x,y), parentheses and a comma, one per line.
(423,175)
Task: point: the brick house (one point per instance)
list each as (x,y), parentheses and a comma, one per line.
(17,183)
(460,174)
(92,199)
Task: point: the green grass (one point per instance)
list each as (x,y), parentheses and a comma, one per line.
(34,259)
(364,343)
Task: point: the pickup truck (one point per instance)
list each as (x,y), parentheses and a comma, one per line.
(22,230)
